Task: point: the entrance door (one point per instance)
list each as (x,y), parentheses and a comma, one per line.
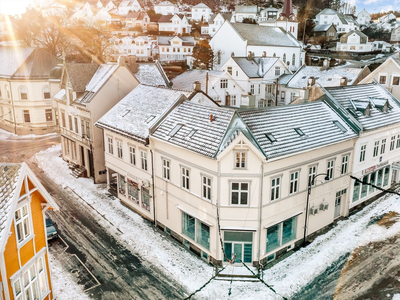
(238,251)
(238,245)
(90,167)
(394,176)
(338,202)
(82,156)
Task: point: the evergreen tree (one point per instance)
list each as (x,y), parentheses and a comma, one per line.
(203,56)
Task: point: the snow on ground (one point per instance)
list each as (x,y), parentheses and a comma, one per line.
(5,135)
(64,287)
(287,277)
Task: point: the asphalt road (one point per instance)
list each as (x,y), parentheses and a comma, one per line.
(103,266)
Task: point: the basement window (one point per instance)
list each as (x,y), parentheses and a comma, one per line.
(271,137)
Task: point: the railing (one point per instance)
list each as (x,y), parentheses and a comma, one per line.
(76,136)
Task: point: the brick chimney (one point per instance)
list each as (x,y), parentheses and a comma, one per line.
(343,81)
(196,86)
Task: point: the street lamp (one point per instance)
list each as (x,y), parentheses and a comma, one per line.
(310,183)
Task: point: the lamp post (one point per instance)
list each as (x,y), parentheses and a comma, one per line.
(310,183)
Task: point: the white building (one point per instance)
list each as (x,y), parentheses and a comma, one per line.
(257,76)
(107,4)
(215,22)
(382,46)
(139,20)
(166,8)
(87,92)
(174,23)
(354,41)
(269,13)
(128,5)
(395,35)
(387,18)
(289,24)
(143,47)
(237,39)
(174,48)
(244,12)
(387,75)
(201,12)
(364,18)
(25,95)
(343,23)
(377,150)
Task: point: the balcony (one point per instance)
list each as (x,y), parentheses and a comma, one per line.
(75,136)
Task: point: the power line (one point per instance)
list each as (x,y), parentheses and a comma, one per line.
(374,186)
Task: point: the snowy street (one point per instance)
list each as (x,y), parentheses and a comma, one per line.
(131,259)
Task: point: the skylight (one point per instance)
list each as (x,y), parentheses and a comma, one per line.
(191,133)
(271,137)
(352,112)
(304,77)
(339,125)
(299,131)
(125,112)
(150,118)
(175,130)
(329,79)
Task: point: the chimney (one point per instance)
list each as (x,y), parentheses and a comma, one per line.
(343,81)
(311,81)
(325,64)
(249,57)
(212,118)
(121,61)
(264,54)
(196,86)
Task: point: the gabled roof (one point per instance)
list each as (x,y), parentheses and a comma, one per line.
(188,126)
(164,3)
(257,35)
(185,80)
(165,18)
(326,78)
(246,9)
(128,117)
(26,62)
(150,74)
(363,37)
(256,67)
(346,96)
(201,5)
(315,119)
(186,40)
(12,177)
(328,11)
(323,27)
(80,74)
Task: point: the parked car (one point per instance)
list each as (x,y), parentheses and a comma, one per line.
(51,231)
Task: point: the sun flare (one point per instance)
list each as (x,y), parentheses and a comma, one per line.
(13,7)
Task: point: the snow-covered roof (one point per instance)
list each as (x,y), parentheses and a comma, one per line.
(328,11)
(257,66)
(363,37)
(201,5)
(274,128)
(60,95)
(186,40)
(257,35)
(322,27)
(80,74)
(185,80)
(164,3)
(346,96)
(149,74)
(144,103)
(326,78)
(284,79)
(246,9)
(194,130)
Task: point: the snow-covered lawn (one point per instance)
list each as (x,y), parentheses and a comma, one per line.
(5,135)
(287,277)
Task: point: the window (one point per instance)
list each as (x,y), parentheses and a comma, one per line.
(398,141)
(252,89)
(396,80)
(224,83)
(133,191)
(277,71)
(42,276)
(70,122)
(376,149)
(294,59)
(392,142)
(312,171)
(110,145)
(27,116)
(132,155)
(46,92)
(22,223)
(382,79)
(362,152)
(146,199)
(166,169)
(240,159)
(383,146)
(329,168)
(121,185)
(345,161)
(49,115)
(275,188)
(239,193)
(281,234)
(143,156)
(87,129)
(206,184)
(284,58)
(229,70)
(23,93)
(185,178)
(76,124)
(233,100)
(196,230)
(119,149)
(294,182)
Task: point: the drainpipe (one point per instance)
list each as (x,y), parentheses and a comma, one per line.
(276,92)
(13,108)
(260,212)
(152,181)
(216,205)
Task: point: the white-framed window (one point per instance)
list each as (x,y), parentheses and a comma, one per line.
(185,173)
(110,145)
(396,80)
(382,79)
(132,155)
(143,158)
(233,100)
(27,116)
(76,124)
(277,71)
(240,159)
(398,141)
(229,70)
(275,188)
(294,59)
(376,149)
(224,83)
(329,168)
(392,142)
(362,152)
(49,115)
(196,230)
(22,223)
(46,92)
(345,163)
(23,93)
(252,89)
(294,182)
(166,169)
(119,149)
(383,146)
(281,234)
(206,187)
(312,171)
(239,193)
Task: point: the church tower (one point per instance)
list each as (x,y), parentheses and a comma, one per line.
(287,19)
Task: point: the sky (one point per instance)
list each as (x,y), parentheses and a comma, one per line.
(375,6)
(13,7)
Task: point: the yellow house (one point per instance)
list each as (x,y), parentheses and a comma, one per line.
(24,265)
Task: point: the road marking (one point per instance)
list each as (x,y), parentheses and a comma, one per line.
(66,245)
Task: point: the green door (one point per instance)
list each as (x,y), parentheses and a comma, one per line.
(237,250)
